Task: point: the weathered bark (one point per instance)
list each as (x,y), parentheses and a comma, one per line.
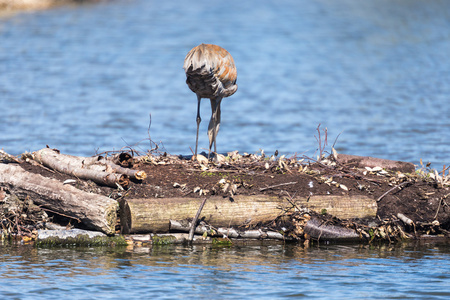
(194,221)
(94,211)
(320,230)
(97,169)
(185,226)
(341,206)
(67,233)
(367,161)
(154,214)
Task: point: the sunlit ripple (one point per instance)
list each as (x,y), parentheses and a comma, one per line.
(85,78)
(250,271)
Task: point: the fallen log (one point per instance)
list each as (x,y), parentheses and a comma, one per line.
(136,240)
(341,206)
(77,237)
(320,230)
(372,162)
(165,239)
(94,211)
(97,169)
(67,233)
(185,226)
(154,214)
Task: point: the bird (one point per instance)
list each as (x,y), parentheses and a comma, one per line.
(210,73)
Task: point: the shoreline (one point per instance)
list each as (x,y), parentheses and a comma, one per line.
(10,8)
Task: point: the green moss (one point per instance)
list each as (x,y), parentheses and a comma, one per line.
(221,242)
(82,240)
(163,240)
(212,174)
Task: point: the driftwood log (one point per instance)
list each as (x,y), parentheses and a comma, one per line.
(185,226)
(94,211)
(98,169)
(154,214)
(367,161)
(318,229)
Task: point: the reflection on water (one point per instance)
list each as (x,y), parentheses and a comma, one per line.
(239,271)
(86,78)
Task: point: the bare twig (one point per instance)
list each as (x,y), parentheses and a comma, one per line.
(121,150)
(342,170)
(318,162)
(439,206)
(319,140)
(194,222)
(132,148)
(335,141)
(444,168)
(149,138)
(276,185)
(290,199)
(55,212)
(8,158)
(390,190)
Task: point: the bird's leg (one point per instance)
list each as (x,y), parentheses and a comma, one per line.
(214,124)
(198,124)
(217,124)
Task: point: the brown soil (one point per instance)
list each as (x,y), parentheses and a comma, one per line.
(416,196)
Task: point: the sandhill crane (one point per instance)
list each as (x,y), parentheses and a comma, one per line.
(210,73)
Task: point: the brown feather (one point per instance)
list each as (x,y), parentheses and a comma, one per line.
(210,71)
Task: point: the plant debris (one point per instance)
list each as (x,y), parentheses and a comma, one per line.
(410,205)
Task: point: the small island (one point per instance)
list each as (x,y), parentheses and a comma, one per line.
(161,198)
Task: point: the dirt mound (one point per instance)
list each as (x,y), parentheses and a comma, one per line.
(417,200)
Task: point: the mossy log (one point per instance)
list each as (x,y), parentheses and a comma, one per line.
(77,237)
(96,212)
(138,240)
(154,214)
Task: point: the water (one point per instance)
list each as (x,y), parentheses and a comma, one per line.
(262,272)
(84,79)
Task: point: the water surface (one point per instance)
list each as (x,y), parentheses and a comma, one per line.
(267,272)
(84,79)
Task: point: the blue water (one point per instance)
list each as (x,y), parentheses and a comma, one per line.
(85,79)
(251,272)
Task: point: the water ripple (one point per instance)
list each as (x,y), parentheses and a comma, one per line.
(86,78)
